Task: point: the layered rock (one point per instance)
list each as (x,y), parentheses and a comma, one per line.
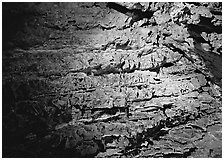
(105,85)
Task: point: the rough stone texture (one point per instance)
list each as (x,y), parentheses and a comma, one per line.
(85,80)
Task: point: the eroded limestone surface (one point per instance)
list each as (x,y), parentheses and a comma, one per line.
(93,80)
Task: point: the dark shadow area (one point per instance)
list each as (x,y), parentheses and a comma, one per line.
(205,25)
(135,14)
(19,25)
(215,60)
(26,123)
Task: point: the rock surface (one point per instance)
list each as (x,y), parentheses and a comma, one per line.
(85,80)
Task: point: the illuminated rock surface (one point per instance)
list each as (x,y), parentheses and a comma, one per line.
(86,80)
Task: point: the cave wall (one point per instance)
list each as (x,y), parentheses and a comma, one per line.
(112,79)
